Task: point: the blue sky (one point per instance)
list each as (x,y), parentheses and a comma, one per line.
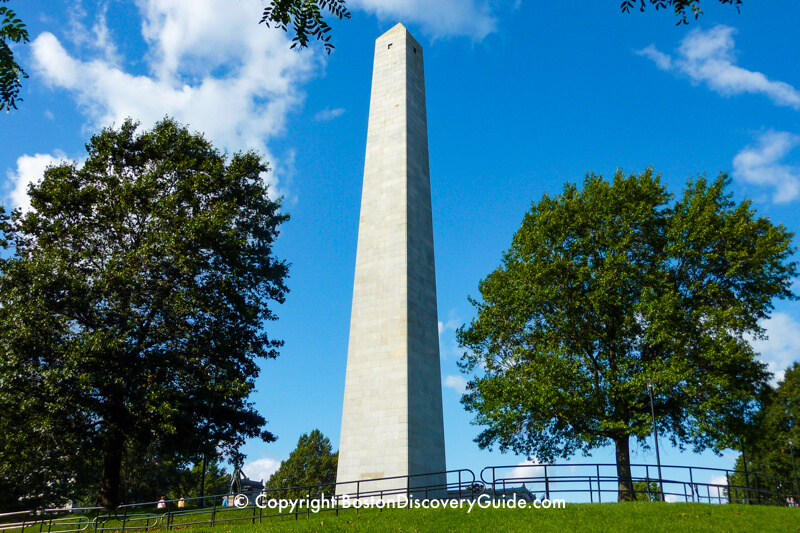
(522,96)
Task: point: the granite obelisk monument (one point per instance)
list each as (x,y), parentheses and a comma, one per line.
(392,418)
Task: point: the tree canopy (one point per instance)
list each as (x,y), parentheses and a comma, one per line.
(12,30)
(147,481)
(132,311)
(612,286)
(312,462)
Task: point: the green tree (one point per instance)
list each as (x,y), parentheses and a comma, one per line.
(146,475)
(609,287)
(132,310)
(217,481)
(146,479)
(773,439)
(41,459)
(311,463)
(680,7)
(648,491)
(40,465)
(12,30)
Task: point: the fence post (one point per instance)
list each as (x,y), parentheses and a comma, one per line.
(214,511)
(758,490)
(591,495)
(599,487)
(546,484)
(691,484)
(728,481)
(124,519)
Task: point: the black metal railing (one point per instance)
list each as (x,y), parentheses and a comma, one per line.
(220,509)
(596,482)
(599,481)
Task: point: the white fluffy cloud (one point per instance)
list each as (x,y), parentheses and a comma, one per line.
(261,469)
(709,57)
(328,114)
(782,346)
(457,383)
(216,70)
(717,479)
(442,18)
(444,327)
(761,165)
(525,469)
(30,169)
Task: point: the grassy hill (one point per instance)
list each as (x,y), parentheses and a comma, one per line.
(621,517)
(635,517)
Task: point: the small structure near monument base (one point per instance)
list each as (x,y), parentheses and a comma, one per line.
(241,484)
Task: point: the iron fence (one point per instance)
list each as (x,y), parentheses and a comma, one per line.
(597,482)
(591,483)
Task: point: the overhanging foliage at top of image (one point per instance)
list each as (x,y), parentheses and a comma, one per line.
(679,6)
(12,30)
(305,17)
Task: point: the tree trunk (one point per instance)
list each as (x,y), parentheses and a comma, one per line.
(626,493)
(108,496)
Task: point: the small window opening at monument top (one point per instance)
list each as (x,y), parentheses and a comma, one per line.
(390,45)
(415,49)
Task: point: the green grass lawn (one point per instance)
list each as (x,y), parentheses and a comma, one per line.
(628,517)
(610,517)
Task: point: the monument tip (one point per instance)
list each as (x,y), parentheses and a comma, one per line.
(397,27)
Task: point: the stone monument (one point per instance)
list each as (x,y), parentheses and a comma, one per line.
(392,418)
